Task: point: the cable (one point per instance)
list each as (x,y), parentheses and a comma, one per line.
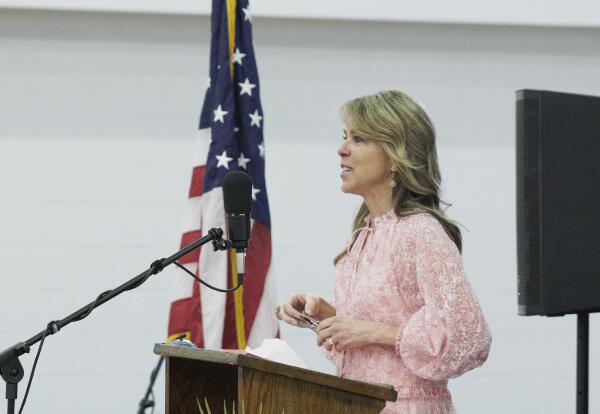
(93,305)
(240,280)
(35,361)
(100,296)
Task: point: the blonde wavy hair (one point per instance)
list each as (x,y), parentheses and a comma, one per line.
(407,136)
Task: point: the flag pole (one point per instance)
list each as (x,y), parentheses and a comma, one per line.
(238,295)
(238,304)
(231,8)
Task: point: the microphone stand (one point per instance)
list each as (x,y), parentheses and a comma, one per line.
(11,369)
(146,402)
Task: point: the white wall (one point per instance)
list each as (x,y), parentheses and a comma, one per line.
(96,129)
(582,13)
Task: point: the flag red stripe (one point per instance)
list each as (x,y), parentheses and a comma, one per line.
(197,330)
(185,316)
(258,259)
(187,239)
(229,340)
(197,184)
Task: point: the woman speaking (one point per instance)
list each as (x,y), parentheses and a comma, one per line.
(403,312)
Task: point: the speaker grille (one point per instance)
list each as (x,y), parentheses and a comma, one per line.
(528,205)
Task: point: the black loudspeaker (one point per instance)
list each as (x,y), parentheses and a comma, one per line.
(558,203)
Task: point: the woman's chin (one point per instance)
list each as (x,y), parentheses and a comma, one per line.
(347,189)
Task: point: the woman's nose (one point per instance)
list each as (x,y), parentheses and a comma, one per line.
(343,150)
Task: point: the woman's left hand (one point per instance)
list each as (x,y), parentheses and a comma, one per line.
(343,333)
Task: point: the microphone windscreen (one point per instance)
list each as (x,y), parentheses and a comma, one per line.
(237,192)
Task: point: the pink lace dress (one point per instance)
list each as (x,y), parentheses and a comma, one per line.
(407,272)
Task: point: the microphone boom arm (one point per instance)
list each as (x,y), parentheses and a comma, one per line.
(11,369)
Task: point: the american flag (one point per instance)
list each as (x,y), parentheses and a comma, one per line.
(230,138)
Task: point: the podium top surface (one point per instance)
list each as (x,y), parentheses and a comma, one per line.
(380,391)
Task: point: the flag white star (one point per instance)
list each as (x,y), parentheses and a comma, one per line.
(236,129)
(256,118)
(238,56)
(261,149)
(247,15)
(223,160)
(254,192)
(219,114)
(246,87)
(242,161)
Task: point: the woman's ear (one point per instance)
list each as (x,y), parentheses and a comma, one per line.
(394,168)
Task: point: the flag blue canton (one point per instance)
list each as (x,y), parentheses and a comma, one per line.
(232,109)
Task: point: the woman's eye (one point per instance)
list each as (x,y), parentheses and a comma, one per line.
(358,139)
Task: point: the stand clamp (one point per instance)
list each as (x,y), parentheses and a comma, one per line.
(12,371)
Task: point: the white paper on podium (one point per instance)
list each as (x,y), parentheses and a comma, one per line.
(277,350)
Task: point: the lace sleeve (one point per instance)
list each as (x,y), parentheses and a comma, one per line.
(448,335)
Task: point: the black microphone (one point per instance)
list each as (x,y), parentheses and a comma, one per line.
(237,200)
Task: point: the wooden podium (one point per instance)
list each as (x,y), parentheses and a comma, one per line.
(260,386)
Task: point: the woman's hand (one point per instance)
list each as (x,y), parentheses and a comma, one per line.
(315,306)
(343,333)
